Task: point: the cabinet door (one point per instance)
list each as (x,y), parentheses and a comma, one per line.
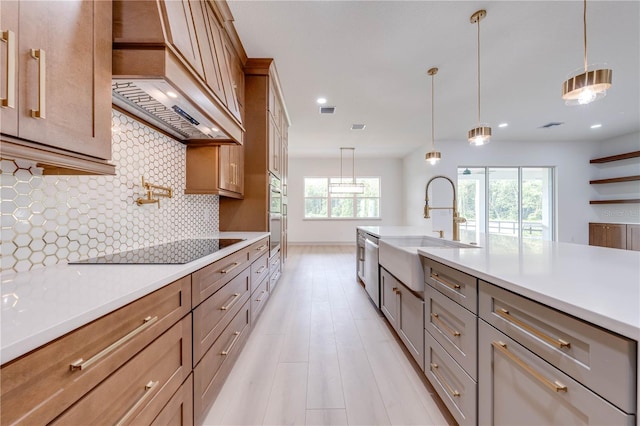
(274,147)
(181,31)
(64,63)
(616,235)
(597,235)
(8,68)
(633,237)
(389,297)
(231,168)
(210,43)
(234,72)
(517,387)
(410,323)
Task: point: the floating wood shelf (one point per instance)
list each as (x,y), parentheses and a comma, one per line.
(629,201)
(618,157)
(615,180)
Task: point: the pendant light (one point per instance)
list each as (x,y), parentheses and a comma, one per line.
(590,85)
(481,135)
(349,187)
(433,156)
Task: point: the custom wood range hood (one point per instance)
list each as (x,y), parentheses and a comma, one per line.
(172,68)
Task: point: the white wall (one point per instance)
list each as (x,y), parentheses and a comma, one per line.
(616,213)
(573,173)
(341,231)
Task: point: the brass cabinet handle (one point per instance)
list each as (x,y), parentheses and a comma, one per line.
(147,391)
(262,268)
(447,283)
(442,324)
(40,56)
(231,302)
(262,247)
(233,342)
(554,386)
(81,364)
(230,268)
(9,37)
(260,299)
(558,343)
(451,390)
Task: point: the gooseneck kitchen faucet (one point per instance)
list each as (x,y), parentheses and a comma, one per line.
(456,220)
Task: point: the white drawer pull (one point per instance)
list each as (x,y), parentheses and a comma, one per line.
(147,391)
(558,343)
(554,386)
(81,364)
(448,329)
(231,302)
(230,268)
(442,281)
(434,370)
(233,342)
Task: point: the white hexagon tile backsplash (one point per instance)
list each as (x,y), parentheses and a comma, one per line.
(52,219)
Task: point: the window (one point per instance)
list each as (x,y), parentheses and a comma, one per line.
(320,204)
(507,200)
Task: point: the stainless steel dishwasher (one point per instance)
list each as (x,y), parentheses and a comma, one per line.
(371,269)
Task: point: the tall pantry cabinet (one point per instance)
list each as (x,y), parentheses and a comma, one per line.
(266,124)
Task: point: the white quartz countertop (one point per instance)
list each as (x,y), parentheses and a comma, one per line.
(599,285)
(44,304)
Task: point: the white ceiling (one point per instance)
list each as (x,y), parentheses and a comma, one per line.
(369,59)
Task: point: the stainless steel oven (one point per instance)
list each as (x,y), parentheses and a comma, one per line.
(275,213)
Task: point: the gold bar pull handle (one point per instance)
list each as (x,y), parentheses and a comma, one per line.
(558,343)
(436,372)
(233,342)
(444,282)
(554,386)
(260,298)
(41,57)
(262,268)
(81,364)
(230,268)
(231,302)
(442,324)
(262,247)
(9,37)
(147,391)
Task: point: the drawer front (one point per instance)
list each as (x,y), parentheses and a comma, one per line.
(259,299)
(590,355)
(210,374)
(40,385)
(454,327)
(518,387)
(259,248)
(461,287)
(259,270)
(179,409)
(138,391)
(211,278)
(213,315)
(274,271)
(457,390)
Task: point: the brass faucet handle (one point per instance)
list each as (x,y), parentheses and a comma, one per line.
(440,233)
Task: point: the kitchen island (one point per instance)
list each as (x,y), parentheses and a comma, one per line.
(576,308)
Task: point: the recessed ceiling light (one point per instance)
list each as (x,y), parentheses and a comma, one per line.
(596,126)
(215,129)
(503,125)
(321,101)
(172,94)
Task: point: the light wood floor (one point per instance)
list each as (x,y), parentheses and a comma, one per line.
(321,354)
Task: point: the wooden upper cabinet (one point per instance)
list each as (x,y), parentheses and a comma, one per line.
(215,170)
(56,77)
(231,170)
(181,31)
(211,47)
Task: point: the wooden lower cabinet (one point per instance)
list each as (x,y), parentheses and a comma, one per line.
(633,237)
(612,235)
(518,387)
(215,365)
(138,391)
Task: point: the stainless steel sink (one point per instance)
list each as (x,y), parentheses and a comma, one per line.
(400,257)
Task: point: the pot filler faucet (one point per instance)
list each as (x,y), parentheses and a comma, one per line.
(456,219)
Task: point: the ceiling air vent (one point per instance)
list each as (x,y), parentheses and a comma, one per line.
(551,124)
(358,126)
(327,110)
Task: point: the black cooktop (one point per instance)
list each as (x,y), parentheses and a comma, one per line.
(177,252)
